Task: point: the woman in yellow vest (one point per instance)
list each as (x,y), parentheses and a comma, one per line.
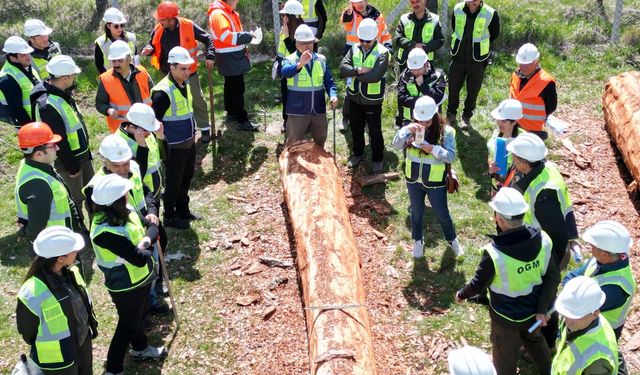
(54,313)
(507,114)
(123,252)
(113,30)
(429,145)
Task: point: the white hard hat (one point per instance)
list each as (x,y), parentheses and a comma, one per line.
(56,241)
(609,235)
(119,50)
(304,34)
(509,202)
(293,7)
(368,29)
(529,147)
(62,65)
(15,44)
(179,55)
(425,108)
(114,15)
(115,149)
(510,109)
(527,54)
(417,58)
(143,116)
(470,360)
(34,27)
(110,188)
(579,297)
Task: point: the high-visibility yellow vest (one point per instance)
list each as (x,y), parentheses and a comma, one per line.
(426,36)
(178,121)
(549,178)
(622,278)
(23,81)
(104,43)
(371,91)
(309,11)
(154,162)
(77,136)
(303,81)
(481,35)
(416,160)
(412,88)
(136,194)
(60,211)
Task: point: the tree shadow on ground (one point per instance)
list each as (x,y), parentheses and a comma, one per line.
(187,243)
(472,153)
(16,252)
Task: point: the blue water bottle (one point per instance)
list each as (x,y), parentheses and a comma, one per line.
(501,155)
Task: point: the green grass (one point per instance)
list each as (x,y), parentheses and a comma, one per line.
(572,40)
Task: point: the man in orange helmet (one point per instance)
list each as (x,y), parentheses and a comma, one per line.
(42,198)
(172,31)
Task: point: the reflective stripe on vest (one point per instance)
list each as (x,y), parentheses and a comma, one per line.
(481,35)
(574,357)
(415,155)
(622,278)
(309,11)
(352,29)
(118,98)
(412,88)
(23,81)
(409,27)
(187,41)
(549,178)
(154,162)
(282,48)
(60,211)
(371,91)
(178,119)
(303,81)
(223,47)
(39,64)
(136,194)
(119,274)
(76,135)
(104,43)
(534,113)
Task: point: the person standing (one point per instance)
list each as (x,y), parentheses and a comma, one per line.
(44,49)
(366,65)
(307,79)
(418,29)
(121,86)
(315,16)
(54,313)
(17,79)
(114,23)
(171,31)
(230,42)
(522,280)
(476,26)
(507,115)
(55,106)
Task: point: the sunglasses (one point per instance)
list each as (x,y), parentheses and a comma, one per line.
(366,41)
(117,26)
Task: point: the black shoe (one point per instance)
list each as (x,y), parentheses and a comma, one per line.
(230,118)
(160,289)
(354,161)
(148,325)
(248,126)
(205,136)
(160,308)
(191,217)
(176,222)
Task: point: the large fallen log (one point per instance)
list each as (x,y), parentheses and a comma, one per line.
(621,107)
(338,327)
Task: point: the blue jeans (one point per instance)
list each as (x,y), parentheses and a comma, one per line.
(438,199)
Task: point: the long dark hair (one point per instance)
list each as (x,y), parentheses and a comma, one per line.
(435,130)
(39,264)
(293,23)
(116,214)
(514,132)
(107,31)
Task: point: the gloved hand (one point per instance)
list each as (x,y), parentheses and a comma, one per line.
(257,36)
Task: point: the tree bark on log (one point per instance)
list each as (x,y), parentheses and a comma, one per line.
(621,107)
(338,328)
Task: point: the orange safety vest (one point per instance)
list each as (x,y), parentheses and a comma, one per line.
(118,98)
(187,41)
(352,29)
(534,113)
(224,23)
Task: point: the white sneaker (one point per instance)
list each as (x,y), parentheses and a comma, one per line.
(150,352)
(458,250)
(418,249)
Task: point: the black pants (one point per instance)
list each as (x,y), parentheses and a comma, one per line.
(234,97)
(180,167)
(284,93)
(459,73)
(83,364)
(367,115)
(132,306)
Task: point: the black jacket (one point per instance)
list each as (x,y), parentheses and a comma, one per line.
(13,94)
(465,51)
(408,43)
(549,95)
(160,102)
(433,85)
(171,38)
(130,87)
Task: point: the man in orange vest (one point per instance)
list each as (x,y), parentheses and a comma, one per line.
(172,31)
(230,42)
(535,89)
(121,86)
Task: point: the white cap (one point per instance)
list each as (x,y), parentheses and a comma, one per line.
(119,50)
(15,44)
(110,188)
(62,65)
(115,149)
(304,34)
(114,15)
(510,109)
(529,147)
(417,58)
(143,116)
(527,54)
(609,235)
(579,297)
(293,7)
(56,241)
(34,27)
(425,108)
(368,29)
(470,360)
(509,202)
(179,55)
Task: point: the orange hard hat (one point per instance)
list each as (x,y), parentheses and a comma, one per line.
(167,9)
(36,134)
